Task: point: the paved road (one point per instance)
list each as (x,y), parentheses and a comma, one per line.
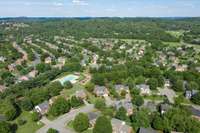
(60,123)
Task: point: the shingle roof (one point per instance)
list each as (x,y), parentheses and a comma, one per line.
(44,106)
(146,130)
(120,126)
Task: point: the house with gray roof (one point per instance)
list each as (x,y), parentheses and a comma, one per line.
(42,108)
(127,104)
(190,93)
(150,106)
(2,117)
(92,116)
(144,89)
(120,126)
(119,88)
(81,94)
(195,112)
(146,130)
(101,91)
(164,108)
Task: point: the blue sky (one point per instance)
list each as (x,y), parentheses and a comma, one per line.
(99,8)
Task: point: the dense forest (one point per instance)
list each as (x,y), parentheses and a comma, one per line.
(130,28)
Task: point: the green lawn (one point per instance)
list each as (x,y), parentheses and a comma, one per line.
(154,97)
(176,34)
(70,92)
(30,126)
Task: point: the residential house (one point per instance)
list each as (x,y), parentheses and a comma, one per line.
(2,117)
(119,88)
(101,91)
(92,116)
(190,93)
(61,60)
(144,89)
(126,103)
(32,74)
(164,108)
(195,112)
(181,68)
(42,108)
(81,94)
(2,88)
(146,130)
(48,60)
(2,59)
(11,67)
(120,126)
(22,78)
(167,83)
(151,106)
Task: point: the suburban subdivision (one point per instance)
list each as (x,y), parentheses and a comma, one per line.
(99,75)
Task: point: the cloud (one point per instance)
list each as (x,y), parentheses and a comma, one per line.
(58,4)
(110,10)
(79,2)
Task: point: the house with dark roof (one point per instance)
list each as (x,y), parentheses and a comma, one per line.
(164,108)
(92,116)
(146,130)
(42,108)
(120,126)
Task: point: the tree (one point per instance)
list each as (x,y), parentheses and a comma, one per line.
(196,98)
(21,121)
(140,119)
(161,81)
(26,104)
(38,95)
(89,87)
(5,127)
(75,102)
(121,114)
(51,130)
(8,109)
(54,88)
(42,67)
(178,85)
(35,116)
(138,100)
(68,85)
(102,125)
(100,104)
(193,86)
(60,106)
(81,122)
(153,83)
(158,123)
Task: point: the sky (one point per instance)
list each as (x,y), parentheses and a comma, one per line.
(100,8)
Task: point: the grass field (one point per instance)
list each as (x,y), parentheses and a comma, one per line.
(30,126)
(70,92)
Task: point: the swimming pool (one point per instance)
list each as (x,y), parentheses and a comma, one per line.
(72,78)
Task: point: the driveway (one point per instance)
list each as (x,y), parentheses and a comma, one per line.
(60,123)
(169,93)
